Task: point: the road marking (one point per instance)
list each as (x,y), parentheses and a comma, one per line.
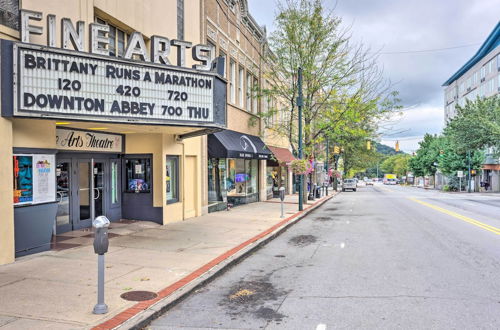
(348,222)
(494,230)
(342,245)
(321,326)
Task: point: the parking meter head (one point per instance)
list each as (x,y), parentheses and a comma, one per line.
(100,222)
(101,241)
(282,193)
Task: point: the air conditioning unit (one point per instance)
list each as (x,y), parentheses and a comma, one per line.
(483,79)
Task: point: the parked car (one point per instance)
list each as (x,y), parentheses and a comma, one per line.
(349,184)
(369,183)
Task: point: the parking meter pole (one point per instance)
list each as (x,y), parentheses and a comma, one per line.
(100,307)
(101,244)
(282,198)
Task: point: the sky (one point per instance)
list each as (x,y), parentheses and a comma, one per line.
(421,43)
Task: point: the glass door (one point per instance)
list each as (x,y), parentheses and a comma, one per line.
(63,190)
(90,192)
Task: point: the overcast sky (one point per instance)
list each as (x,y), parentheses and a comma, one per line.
(411,35)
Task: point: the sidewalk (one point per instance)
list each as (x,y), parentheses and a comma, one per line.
(57,289)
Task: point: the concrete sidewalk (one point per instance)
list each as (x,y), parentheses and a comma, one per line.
(57,289)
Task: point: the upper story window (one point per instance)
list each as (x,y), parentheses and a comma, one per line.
(232,81)
(117,39)
(9,13)
(483,72)
(241,83)
(180,19)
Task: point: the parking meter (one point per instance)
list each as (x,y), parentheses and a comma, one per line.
(101,244)
(101,241)
(282,198)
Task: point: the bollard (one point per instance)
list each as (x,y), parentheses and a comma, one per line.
(101,244)
(282,197)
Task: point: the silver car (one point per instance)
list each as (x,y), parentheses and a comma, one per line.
(349,184)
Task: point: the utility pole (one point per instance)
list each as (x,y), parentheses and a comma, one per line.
(300,104)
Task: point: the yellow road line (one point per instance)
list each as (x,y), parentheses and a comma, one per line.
(494,230)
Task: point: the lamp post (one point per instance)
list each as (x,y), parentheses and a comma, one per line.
(300,104)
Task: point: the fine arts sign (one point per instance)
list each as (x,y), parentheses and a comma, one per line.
(141,87)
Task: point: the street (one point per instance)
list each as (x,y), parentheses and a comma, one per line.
(383,257)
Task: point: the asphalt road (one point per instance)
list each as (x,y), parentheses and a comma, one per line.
(384,257)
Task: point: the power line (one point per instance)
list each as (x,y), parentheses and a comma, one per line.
(429,50)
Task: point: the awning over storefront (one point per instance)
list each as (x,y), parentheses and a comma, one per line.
(282,155)
(231,144)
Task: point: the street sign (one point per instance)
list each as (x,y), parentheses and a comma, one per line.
(460,174)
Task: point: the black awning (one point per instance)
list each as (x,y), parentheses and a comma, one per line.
(231,144)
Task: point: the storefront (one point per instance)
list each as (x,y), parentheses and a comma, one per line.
(234,168)
(98,135)
(278,173)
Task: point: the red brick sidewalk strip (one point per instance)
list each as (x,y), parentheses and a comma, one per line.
(124,316)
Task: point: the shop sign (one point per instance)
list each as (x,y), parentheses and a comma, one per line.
(59,84)
(34,178)
(68,139)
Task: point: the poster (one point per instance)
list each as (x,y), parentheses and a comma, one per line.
(44,178)
(23,179)
(34,179)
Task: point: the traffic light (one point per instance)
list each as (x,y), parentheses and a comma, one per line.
(336,150)
(397,146)
(473,172)
(368,145)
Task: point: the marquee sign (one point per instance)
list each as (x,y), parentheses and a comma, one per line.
(63,84)
(76,140)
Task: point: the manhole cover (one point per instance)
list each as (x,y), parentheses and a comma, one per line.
(279,256)
(138,295)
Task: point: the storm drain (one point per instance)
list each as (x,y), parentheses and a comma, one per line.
(138,295)
(323,219)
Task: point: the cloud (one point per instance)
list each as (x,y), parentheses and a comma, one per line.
(412,25)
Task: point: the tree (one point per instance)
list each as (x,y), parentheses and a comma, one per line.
(476,126)
(397,164)
(425,161)
(344,92)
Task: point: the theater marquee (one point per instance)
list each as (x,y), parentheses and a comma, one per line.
(64,84)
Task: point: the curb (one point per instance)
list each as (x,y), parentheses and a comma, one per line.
(142,313)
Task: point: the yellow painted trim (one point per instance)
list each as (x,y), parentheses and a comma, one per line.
(480,224)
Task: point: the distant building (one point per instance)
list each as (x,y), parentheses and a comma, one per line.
(480,76)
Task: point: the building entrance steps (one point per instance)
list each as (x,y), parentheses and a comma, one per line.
(57,289)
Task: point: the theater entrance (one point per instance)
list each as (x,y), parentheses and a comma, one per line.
(88,185)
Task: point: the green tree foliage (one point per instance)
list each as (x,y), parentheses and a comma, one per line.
(443,153)
(344,92)
(397,164)
(476,125)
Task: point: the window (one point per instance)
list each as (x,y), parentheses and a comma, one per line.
(117,39)
(498,62)
(242,177)
(483,72)
(180,19)
(172,179)
(241,82)
(222,54)
(232,82)
(249,92)
(255,102)
(138,175)
(9,13)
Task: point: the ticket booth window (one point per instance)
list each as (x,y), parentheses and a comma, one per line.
(138,175)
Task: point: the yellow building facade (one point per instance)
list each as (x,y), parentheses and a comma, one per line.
(87,129)
(135,159)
